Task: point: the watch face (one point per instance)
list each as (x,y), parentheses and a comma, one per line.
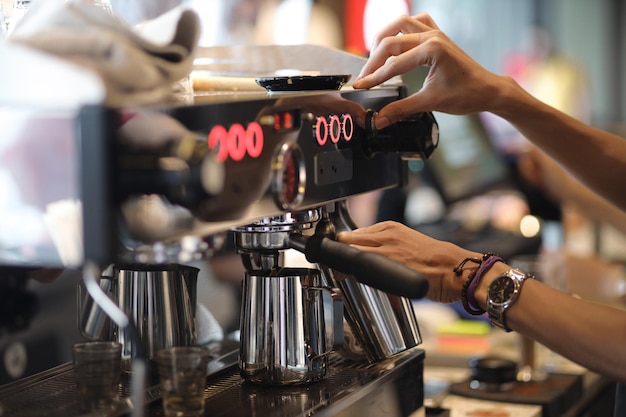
(501,290)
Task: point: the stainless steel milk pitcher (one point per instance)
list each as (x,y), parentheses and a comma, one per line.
(286,326)
(384,324)
(160,299)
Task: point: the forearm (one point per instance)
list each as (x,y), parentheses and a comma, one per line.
(568,190)
(595,157)
(590,334)
(575,328)
(595,207)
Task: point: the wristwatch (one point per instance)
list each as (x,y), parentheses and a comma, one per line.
(502,294)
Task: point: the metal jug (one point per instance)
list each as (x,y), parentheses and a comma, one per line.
(159,299)
(384,324)
(287,328)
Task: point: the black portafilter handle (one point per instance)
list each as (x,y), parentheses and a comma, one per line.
(416,137)
(369,268)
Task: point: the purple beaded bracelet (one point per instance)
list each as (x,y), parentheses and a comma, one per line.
(484,267)
(471,284)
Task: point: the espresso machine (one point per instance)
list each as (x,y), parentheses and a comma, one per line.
(275,170)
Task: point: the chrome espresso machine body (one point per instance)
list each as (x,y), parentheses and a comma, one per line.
(162,186)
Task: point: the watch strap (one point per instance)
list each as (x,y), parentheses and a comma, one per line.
(497,311)
(498,318)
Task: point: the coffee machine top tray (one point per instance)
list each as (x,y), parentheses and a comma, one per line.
(393,387)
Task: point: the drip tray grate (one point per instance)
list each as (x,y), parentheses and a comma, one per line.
(349,388)
(53,393)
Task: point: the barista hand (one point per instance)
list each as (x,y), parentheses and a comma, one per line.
(433,258)
(585,332)
(457,84)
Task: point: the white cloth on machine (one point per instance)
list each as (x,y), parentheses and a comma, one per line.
(137,64)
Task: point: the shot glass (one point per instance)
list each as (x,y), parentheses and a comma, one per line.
(182,374)
(97,370)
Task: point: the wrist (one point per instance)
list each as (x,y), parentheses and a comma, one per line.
(483,286)
(510,100)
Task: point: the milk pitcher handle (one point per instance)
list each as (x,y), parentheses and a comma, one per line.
(333,316)
(337,318)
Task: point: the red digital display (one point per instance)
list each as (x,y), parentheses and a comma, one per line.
(321,131)
(284,121)
(347,127)
(237,141)
(287,120)
(334,126)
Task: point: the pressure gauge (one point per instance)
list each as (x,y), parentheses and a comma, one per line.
(289,176)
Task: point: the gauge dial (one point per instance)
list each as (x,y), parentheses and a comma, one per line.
(289,177)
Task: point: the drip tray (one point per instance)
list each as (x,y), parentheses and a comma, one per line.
(54,393)
(393,387)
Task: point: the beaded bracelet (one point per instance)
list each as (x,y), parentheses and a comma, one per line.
(488,262)
(471,283)
(466,305)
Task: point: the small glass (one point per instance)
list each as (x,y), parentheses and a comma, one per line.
(98,373)
(182,374)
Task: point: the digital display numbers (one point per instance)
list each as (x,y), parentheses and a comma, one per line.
(238,141)
(284,120)
(333,127)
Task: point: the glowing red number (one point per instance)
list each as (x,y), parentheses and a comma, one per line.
(348,127)
(254,140)
(335,128)
(288,124)
(237,141)
(321,131)
(218,137)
